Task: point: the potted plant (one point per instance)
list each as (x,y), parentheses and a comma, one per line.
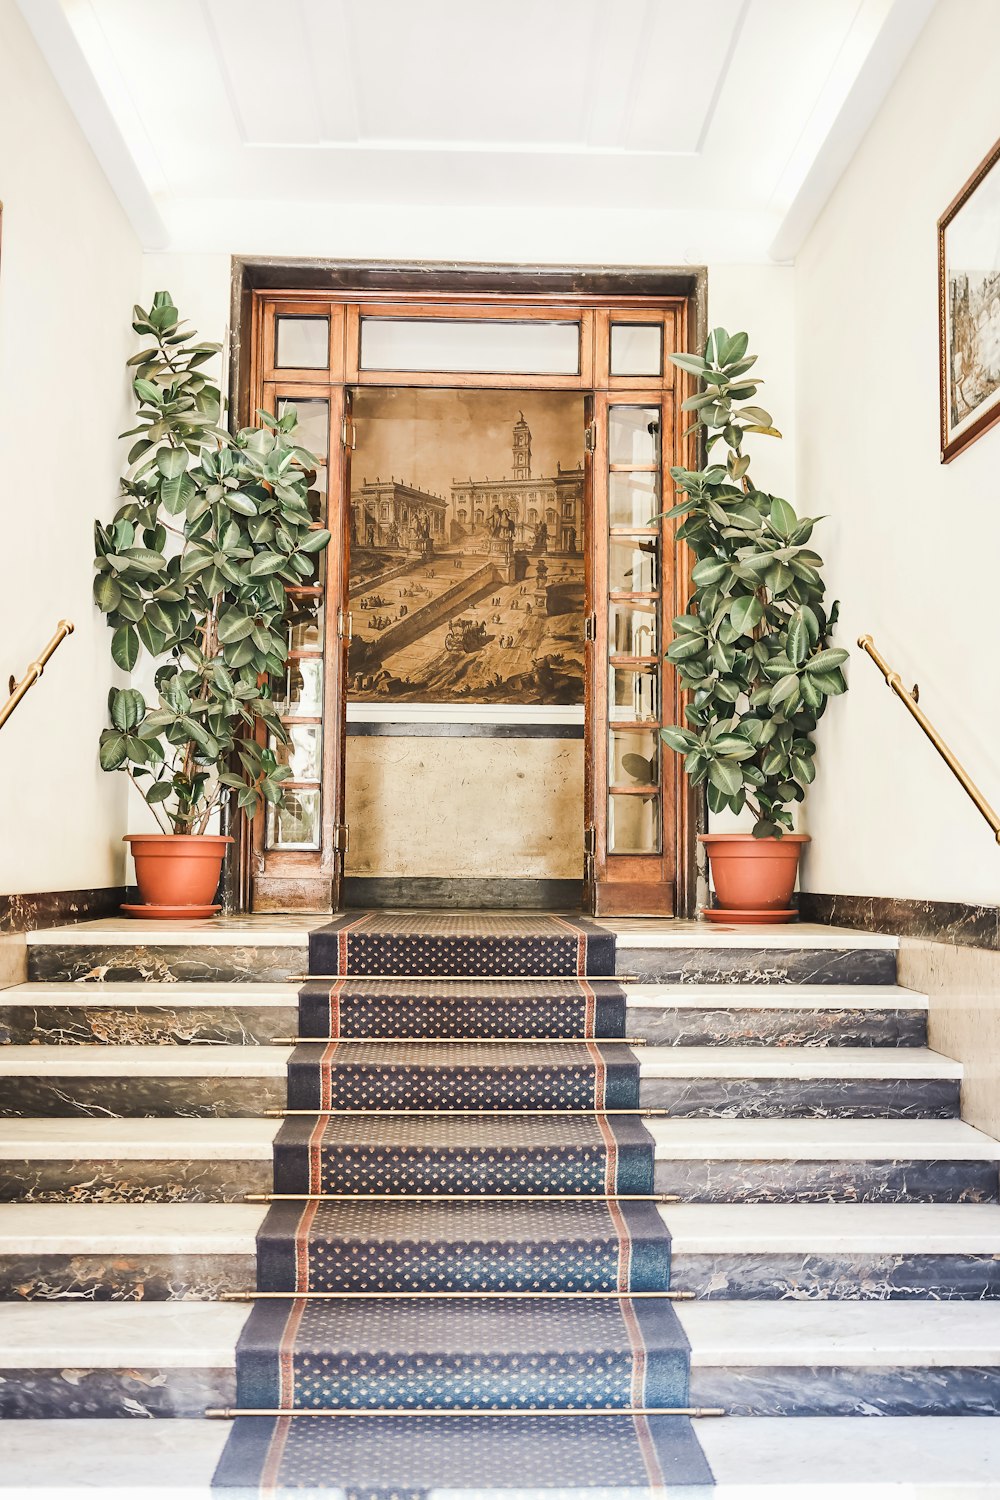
(752,651)
(191,573)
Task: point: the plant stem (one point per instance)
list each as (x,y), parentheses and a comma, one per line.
(148,804)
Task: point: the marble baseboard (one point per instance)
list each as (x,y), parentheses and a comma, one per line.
(939,921)
(722,965)
(849,1181)
(165,962)
(117,1025)
(28,912)
(778,1098)
(225,1097)
(141,1393)
(181,1180)
(742,1027)
(127,1277)
(848,1391)
(851,1277)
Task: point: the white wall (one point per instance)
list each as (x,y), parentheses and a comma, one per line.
(912,546)
(69,274)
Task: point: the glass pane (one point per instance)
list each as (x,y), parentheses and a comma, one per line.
(489,348)
(636,349)
(634,825)
(633,499)
(316,496)
(634,435)
(302,343)
(303,754)
(633,693)
(313,428)
(303,688)
(633,567)
(634,757)
(304,621)
(296,825)
(632,629)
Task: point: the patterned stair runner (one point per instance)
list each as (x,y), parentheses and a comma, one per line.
(509,1019)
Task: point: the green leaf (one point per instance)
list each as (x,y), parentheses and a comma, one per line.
(782,518)
(314,541)
(710,570)
(746,612)
(111,753)
(107,593)
(171,462)
(692,363)
(125,648)
(128,708)
(825,661)
(734,349)
(160,791)
(783,689)
(797,638)
(681,740)
(266,562)
(726,776)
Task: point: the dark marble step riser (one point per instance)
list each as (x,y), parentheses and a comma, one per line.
(124,1276)
(153,1181)
(758,965)
(737,1027)
(842,1277)
(163,963)
(848,1391)
(143,1393)
(829,1181)
(147,1026)
(144,1098)
(811,1098)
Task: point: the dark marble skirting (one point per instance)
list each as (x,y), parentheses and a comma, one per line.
(125,1277)
(180,1180)
(863,1181)
(146,1025)
(776,1027)
(937,921)
(845,1276)
(144,1392)
(848,1391)
(118,1096)
(163,962)
(28,912)
(814,1098)
(757,965)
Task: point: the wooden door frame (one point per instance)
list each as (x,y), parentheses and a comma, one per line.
(427,283)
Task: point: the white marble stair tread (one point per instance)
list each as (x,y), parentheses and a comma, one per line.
(243,932)
(873,1334)
(852,1458)
(188,1061)
(772,997)
(168,1460)
(829,1139)
(733,1229)
(143,995)
(117,1335)
(117,1229)
(796,1062)
(634,933)
(164,1138)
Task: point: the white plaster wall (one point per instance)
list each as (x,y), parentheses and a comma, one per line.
(911,545)
(69,274)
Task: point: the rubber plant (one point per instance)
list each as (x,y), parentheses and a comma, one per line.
(752,650)
(192,573)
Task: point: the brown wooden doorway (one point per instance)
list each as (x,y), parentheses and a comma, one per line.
(316,349)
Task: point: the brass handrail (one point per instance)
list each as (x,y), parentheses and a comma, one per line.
(17,689)
(951,760)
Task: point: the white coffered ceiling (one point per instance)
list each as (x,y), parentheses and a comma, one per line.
(262,125)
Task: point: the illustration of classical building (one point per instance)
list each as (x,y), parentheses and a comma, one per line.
(546,512)
(388,513)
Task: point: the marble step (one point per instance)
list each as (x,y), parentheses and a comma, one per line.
(151,1013)
(835,1251)
(776,1015)
(802,1359)
(168,1160)
(125,1359)
(682,952)
(794,1458)
(122,1252)
(116,1080)
(825,1161)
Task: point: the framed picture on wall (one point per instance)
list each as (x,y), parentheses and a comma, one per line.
(969,309)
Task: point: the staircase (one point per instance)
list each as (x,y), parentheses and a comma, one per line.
(837,1223)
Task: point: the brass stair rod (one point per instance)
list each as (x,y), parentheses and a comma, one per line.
(486,1114)
(461,1041)
(17,690)
(949,757)
(461,1198)
(466,978)
(459,1296)
(228,1413)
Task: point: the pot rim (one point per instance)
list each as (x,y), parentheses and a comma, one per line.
(177,838)
(748,838)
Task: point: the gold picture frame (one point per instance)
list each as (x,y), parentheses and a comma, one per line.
(969,309)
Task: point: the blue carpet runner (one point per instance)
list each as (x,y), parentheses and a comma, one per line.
(465,980)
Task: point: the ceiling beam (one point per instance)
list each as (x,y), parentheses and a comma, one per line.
(73,69)
(880,41)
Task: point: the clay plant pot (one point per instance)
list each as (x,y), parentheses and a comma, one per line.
(177,873)
(753,878)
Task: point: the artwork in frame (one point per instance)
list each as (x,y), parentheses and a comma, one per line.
(467,548)
(969,309)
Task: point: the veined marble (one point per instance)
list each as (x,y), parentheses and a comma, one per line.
(162,962)
(741,964)
(126,1013)
(819,1015)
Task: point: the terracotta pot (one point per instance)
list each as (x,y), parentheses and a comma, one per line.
(177,870)
(754,878)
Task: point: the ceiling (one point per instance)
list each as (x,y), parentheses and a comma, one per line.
(255,126)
